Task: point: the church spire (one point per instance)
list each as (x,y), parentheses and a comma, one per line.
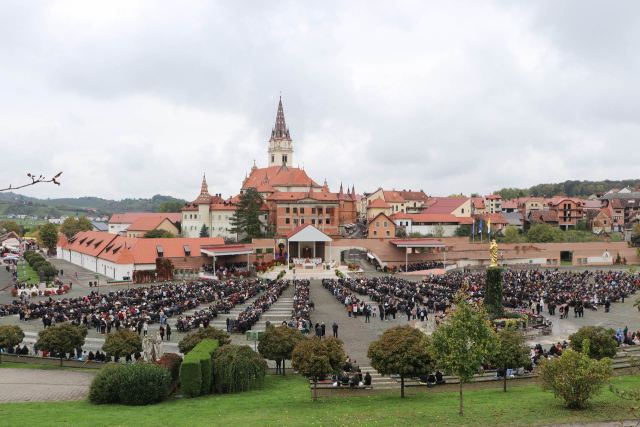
(280,130)
(205,188)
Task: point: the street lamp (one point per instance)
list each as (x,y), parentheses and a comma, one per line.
(129,282)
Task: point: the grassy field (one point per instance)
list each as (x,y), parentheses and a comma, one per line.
(10,365)
(285,401)
(32,275)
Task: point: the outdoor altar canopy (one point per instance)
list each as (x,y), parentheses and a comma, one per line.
(307,246)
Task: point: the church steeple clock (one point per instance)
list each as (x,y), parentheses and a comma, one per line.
(280,147)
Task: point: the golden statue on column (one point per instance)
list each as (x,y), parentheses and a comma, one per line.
(493,251)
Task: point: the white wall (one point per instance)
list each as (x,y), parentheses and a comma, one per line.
(117,228)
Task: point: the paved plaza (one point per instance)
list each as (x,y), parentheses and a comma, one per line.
(353,331)
(36,385)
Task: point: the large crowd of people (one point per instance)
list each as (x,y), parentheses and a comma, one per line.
(140,307)
(419,266)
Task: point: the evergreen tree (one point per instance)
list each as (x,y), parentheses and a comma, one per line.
(246,218)
(204,231)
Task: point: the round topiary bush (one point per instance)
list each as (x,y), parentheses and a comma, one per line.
(143,384)
(104,387)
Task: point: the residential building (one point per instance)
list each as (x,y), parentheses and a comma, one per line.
(415,201)
(378,206)
(381,226)
(622,210)
(568,211)
(457,206)
(601,221)
(496,220)
(143,225)
(543,217)
(119,223)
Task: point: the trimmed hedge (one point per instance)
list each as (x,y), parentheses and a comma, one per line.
(191,375)
(135,385)
(206,349)
(143,384)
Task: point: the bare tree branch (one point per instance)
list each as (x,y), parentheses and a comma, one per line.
(34,180)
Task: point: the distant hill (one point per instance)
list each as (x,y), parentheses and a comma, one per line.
(12,203)
(580,189)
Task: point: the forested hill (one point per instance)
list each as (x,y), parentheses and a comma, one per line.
(19,204)
(580,189)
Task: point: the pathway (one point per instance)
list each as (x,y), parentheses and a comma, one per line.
(36,385)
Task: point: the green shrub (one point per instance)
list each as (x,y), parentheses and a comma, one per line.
(574,377)
(238,368)
(35,258)
(172,362)
(104,387)
(142,384)
(206,349)
(208,346)
(602,342)
(191,375)
(187,343)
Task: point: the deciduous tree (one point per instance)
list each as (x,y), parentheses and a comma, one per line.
(10,226)
(315,357)
(402,350)
(158,234)
(10,335)
(122,343)
(48,234)
(574,377)
(463,342)
(170,206)
(71,226)
(513,351)
(278,343)
(62,339)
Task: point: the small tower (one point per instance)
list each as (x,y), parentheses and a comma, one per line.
(280,147)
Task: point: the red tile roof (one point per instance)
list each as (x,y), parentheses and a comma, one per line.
(493,196)
(297,230)
(146,223)
(130,217)
(393,197)
(90,243)
(433,218)
(478,202)
(62,241)
(400,215)
(496,218)
(289,196)
(378,203)
(413,195)
(383,214)
(510,204)
(278,176)
(446,205)
(425,242)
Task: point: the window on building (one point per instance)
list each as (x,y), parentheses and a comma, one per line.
(287,221)
(190,216)
(319,211)
(284,159)
(375,233)
(286,210)
(185,217)
(187,250)
(302,221)
(377,223)
(295,210)
(388,233)
(313,221)
(273,158)
(269,250)
(328,221)
(313,210)
(226,217)
(219,217)
(462,210)
(320,221)
(258,251)
(158,248)
(301,210)
(386,224)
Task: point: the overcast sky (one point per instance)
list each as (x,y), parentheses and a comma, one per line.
(132,99)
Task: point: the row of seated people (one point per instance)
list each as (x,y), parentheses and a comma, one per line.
(419,266)
(306,260)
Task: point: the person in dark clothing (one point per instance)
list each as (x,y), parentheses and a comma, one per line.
(335,330)
(278,366)
(168,331)
(323,329)
(439,378)
(367,379)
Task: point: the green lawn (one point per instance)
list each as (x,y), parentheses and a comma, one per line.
(32,275)
(7,365)
(285,401)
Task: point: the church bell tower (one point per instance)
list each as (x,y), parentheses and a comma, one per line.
(280,147)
